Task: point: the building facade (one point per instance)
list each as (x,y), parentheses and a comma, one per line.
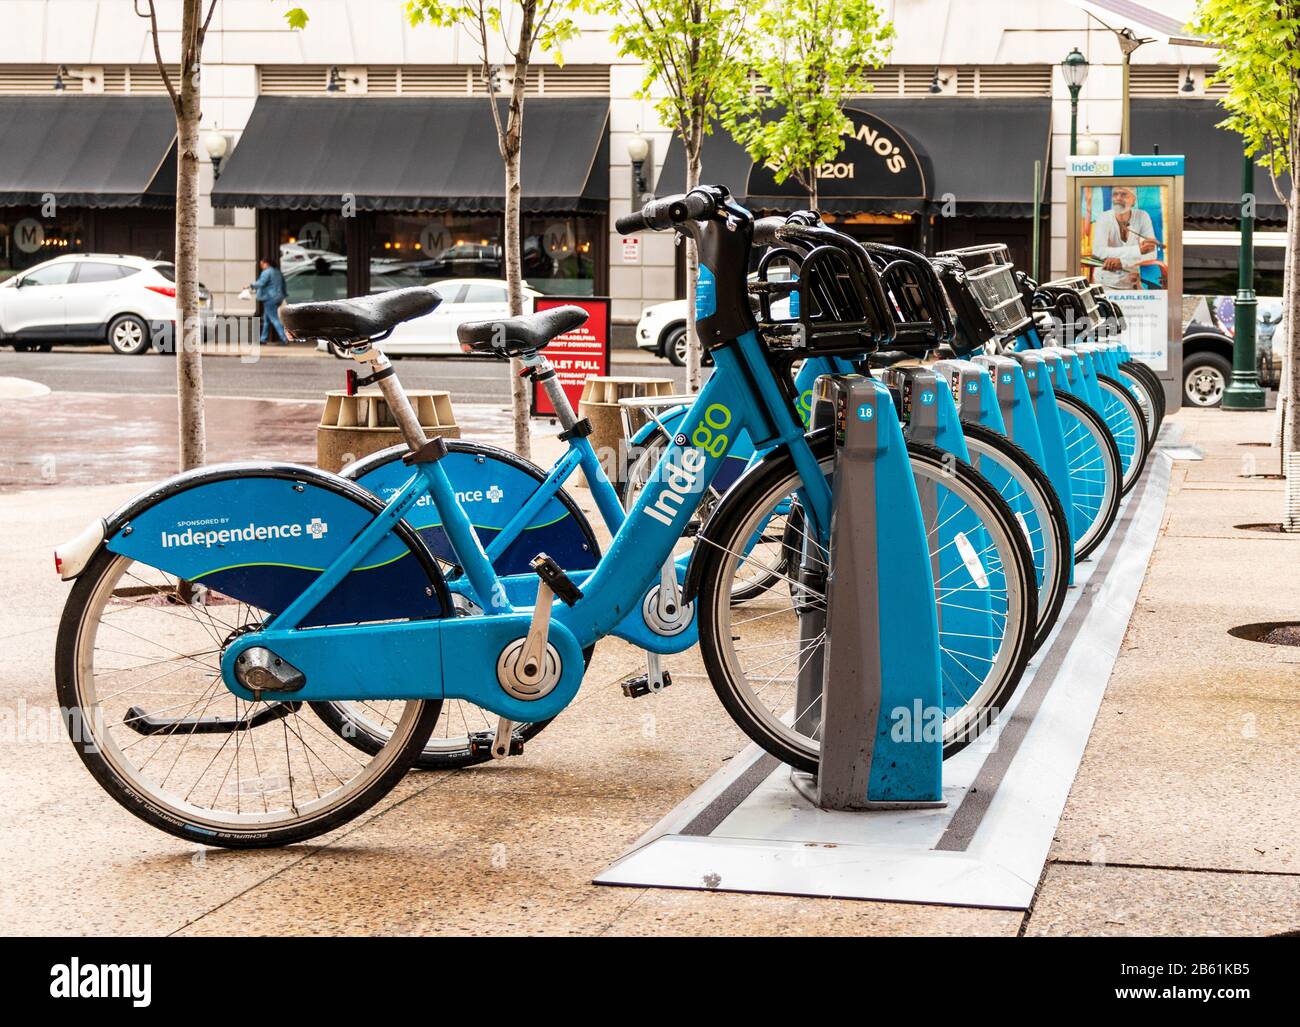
(362,151)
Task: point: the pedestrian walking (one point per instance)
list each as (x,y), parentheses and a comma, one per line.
(270,291)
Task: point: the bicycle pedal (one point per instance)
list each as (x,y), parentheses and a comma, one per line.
(638,686)
(480,744)
(552,574)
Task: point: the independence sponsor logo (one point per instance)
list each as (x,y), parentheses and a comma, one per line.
(315,528)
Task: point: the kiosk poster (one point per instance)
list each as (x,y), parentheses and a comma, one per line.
(1122,246)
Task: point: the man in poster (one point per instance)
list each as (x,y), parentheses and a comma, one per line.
(1122,238)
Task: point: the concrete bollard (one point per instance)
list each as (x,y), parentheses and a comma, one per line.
(600,404)
(355,426)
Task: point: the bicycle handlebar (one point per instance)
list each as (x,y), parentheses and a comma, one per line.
(657,215)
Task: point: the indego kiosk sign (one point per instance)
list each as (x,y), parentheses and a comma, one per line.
(1126,233)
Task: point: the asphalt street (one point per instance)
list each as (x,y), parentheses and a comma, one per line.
(281,375)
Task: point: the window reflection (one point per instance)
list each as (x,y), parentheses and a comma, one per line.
(27,239)
(559,252)
(313,256)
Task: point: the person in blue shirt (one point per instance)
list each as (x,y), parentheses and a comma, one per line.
(270,292)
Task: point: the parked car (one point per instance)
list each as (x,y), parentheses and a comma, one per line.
(463,299)
(662,331)
(90,298)
(1207,348)
(662,327)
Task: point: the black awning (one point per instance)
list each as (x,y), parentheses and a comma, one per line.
(87,151)
(1212,183)
(904,156)
(408,153)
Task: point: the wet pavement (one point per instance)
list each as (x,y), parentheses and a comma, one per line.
(87,439)
(294,372)
(78,438)
(1181,819)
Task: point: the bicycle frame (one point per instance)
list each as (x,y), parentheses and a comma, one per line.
(443,658)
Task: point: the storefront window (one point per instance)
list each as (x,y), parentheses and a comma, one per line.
(422,249)
(313,255)
(27,239)
(560,254)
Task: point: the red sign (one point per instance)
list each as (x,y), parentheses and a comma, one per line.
(577,355)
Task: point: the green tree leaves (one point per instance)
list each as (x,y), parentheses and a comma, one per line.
(807,56)
(694,55)
(1259,61)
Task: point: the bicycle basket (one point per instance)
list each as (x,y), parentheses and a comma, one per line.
(973,327)
(992,288)
(1110,310)
(973,257)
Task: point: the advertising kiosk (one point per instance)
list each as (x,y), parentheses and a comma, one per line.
(1125,233)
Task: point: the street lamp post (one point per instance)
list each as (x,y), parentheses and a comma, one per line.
(1074,69)
(1244,392)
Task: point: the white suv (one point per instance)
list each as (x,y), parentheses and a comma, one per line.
(127,302)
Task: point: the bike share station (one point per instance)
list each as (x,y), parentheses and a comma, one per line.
(887,817)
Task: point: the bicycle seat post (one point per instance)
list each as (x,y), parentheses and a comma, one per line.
(383,375)
(542,371)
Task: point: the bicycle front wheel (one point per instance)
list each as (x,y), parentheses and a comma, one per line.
(1152,394)
(1092,460)
(753,652)
(1038,510)
(1124,419)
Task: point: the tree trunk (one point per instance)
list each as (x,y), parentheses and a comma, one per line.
(812,187)
(189,327)
(512,153)
(1290,382)
(519,399)
(1290,394)
(694,143)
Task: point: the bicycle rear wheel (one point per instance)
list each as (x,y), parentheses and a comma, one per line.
(137,668)
(752,650)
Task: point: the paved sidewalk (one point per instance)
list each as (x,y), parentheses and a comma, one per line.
(1181,820)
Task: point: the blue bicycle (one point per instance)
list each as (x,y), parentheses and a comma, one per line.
(218,620)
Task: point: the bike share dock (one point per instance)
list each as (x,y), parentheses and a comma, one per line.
(751,828)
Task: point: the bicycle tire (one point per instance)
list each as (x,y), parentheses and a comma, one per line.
(756,489)
(1102,517)
(1051,594)
(1122,412)
(1153,387)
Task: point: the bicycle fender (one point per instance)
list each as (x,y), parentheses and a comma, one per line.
(492,484)
(261,533)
